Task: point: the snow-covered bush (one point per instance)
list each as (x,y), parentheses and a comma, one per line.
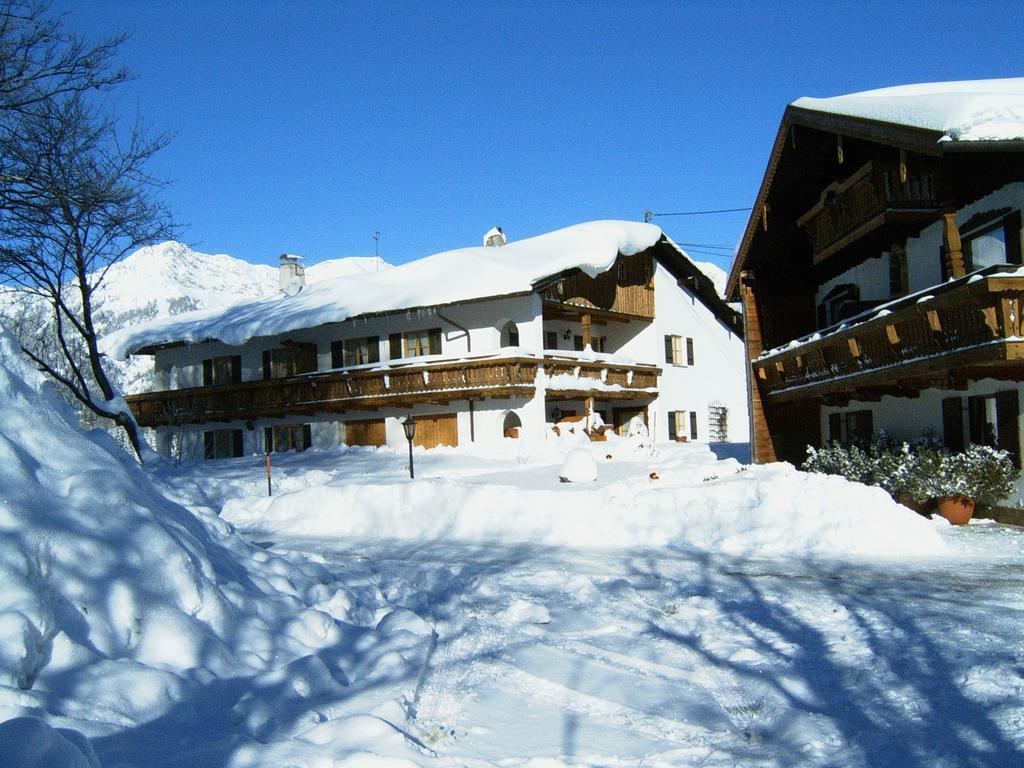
(835,459)
(923,470)
(980,472)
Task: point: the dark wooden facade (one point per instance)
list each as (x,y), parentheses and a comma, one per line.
(838,191)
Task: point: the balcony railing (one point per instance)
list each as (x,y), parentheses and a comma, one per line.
(867,200)
(395,386)
(969,328)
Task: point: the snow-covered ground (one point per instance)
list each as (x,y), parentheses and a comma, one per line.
(485,613)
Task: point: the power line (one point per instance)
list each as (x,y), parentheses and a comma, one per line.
(707,245)
(648,215)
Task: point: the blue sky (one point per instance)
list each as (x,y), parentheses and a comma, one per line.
(306,126)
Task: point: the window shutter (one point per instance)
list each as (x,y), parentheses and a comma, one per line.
(373,344)
(693,425)
(550,340)
(435,341)
(1007,410)
(835,428)
(672,425)
(209,447)
(207,373)
(952,423)
(668,349)
(307,436)
(236,443)
(236,369)
(689,353)
(577,343)
(395,346)
(1011,228)
(266,364)
(337,358)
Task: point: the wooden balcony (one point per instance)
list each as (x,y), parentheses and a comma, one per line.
(572,379)
(967,329)
(397,387)
(873,198)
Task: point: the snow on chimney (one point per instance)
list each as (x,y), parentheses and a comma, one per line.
(495,237)
(292,275)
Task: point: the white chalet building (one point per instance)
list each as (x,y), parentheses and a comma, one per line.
(477,344)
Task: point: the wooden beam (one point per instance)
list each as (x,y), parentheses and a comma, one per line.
(954,250)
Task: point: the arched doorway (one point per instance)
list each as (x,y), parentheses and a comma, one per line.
(510,335)
(512,425)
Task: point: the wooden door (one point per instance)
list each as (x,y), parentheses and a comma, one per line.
(432,431)
(369,432)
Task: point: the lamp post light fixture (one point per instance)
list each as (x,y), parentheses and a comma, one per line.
(409,425)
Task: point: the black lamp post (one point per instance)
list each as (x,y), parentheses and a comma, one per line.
(410,432)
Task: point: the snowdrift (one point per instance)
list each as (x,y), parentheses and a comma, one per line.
(696,502)
(117,605)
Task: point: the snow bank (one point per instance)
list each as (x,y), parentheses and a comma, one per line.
(118,607)
(459,275)
(968,110)
(695,502)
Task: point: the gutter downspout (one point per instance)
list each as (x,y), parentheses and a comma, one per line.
(469,349)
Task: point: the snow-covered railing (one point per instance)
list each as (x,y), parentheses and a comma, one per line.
(964,330)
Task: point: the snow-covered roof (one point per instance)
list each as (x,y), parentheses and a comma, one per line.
(464,274)
(966,110)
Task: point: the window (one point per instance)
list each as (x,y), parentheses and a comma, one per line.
(992,421)
(994,242)
(222,444)
(679,350)
(841,302)
(677,425)
(851,428)
(596,343)
(226,369)
(287,437)
(355,352)
(289,360)
(693,425)
(417,343)
(510,335)
(550,339)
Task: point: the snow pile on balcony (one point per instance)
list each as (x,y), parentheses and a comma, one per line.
(458,275)
(967,110)
(694,501)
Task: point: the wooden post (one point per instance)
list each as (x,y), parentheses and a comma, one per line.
(762,449)
(268,476)
(954,251)
(585,322)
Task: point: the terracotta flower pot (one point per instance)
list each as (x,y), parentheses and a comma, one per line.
(923,508)
(957,510)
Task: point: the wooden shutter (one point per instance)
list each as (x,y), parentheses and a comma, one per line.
(307,436)
(668,350)
(693,425)
(337,354)
(952,423)
(435,341)
(1011,233)
(236,369)
(373,342)
(266,364)
(551,339)
(209,446)
(236,443)
(395,346)
(672,425)
(208,373)
(689,351)
(1007,411)
(577,343)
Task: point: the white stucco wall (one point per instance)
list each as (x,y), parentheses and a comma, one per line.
(718,372)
